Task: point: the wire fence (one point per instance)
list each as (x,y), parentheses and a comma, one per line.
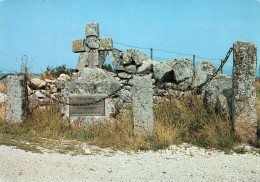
(154,53)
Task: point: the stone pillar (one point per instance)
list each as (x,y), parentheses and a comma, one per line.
(16,103)
(244,93)
(143,104)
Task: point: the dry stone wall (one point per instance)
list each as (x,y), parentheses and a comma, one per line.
(234,96)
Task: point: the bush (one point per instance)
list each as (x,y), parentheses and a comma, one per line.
(108,67)
(53,73)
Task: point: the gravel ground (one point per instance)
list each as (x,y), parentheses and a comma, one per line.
(183,163)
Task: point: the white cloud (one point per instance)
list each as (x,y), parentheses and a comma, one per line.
(1,1)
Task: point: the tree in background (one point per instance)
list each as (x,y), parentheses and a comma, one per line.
(53,73)
(108,67)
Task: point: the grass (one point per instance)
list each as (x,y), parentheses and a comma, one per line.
(177,120)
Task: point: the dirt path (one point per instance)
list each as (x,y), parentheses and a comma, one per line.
(174,164)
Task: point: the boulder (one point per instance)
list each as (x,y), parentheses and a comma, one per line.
(91,81)
(63,77)
(218,92)
(182,69)
(37,83)
(130,69)
(146,66)
(133,56)
(116,58)
(126,95)
(123,75)
(137,56)
(204,70)
(163,71)
(127,59)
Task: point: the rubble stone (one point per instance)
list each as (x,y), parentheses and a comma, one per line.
(204,70)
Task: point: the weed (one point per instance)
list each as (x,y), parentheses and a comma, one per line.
(183,119)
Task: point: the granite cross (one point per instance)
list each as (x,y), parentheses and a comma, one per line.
(92,43)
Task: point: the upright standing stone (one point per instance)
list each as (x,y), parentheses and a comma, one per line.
(244,93)
(143,104)
(16,103)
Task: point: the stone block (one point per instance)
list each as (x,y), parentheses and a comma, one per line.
(163,71)
(244,93)
(147,65)
(182,69)
(204,70)
(116,58)
(37,83)
(138,56)
(143,105)
(92,29)
(106,43)
(219,93)
(130,69)
(78,45)
(123,75)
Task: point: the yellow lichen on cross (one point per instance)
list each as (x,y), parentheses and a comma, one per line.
(78,45)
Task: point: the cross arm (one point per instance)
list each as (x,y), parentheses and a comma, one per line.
(78,45)
(106,44)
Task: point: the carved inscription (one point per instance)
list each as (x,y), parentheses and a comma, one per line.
(84,108)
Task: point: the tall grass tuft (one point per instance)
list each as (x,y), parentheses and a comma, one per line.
(191,122)
(3,88)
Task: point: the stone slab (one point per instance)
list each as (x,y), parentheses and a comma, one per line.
(85,108)
(244,92)
(143,104)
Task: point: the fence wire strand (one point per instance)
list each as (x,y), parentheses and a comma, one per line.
(161,50)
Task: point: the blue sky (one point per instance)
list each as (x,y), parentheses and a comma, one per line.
(44,29)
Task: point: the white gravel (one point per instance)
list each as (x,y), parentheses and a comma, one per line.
(174,164)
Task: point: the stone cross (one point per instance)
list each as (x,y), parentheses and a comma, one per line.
(92,44)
